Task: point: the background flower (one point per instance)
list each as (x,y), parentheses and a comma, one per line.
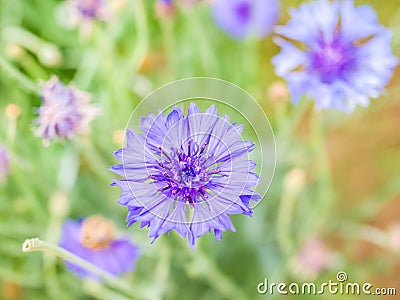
(312,258)
(65,111)
(93,240)
(336,53)
(246,18)
(197,163)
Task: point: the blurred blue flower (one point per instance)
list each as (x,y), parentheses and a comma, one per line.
(91,9)
(92,239)
(4,163)
(186,173)
(246,18)
(335,53)
(64,113)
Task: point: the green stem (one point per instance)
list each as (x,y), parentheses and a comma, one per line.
(98,291)
(167,27)
(142,42)
(96,162)
(366,233)
(161,273)
(14,73)
(285,133)
(88,67)
(207,55)
(24,38)
(284,218)
(322,162)
(11,130)
(49,261)
(32,199)
(36,244)
(203,267)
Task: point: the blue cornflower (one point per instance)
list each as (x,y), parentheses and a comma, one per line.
(336,53)
(93,239)
(186,173)
(244,18)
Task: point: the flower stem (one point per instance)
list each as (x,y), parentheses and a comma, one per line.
(142,43)
(94,159)
(35,244)
(285,133)
(366,232)
(285,215)
(205,268)
(322,161)
(14,73)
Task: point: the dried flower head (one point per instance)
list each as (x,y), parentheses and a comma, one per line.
(336,53)
(65,111)
(186,173)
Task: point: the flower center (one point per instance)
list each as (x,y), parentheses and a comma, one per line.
(243,11)
(185,172)
(97,232)
(333,60)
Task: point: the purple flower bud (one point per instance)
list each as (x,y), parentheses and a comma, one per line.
(64,113)
(91,9)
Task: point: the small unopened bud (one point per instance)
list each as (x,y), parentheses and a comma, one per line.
(118,5)
(165,8)
(10,290)
(278,91)
(142,86)
(12,111)
(50,55)
(14,51)
(118,136)
(59,204)
(295,180)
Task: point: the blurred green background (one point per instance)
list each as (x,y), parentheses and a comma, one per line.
(332,206)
